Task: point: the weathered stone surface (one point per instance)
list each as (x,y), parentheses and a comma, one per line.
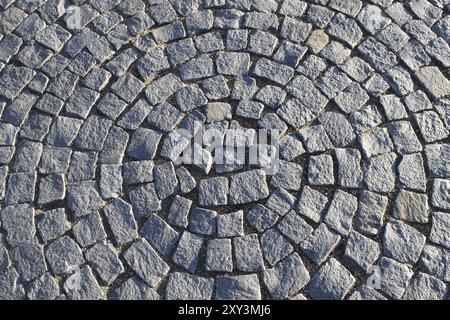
(331,282)
(411,206)
(320,244)
(119,215)
(183,286)
(147,264)
(244,287)
(393,277)
(362,250)
(402,242)
(186,254)
(64,255)
(287,277)
(248,187)
(189,149)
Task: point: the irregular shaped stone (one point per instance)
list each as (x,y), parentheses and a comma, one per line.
(362,250)
(183,286)
(248,255)
(318,245)
(287,277)
(332,282)
(64,255)
(219,255)
(187,253)
(147,264)
(392,277)
(105,261)
(341,211)
(119,215)
(402,242)
(411,206)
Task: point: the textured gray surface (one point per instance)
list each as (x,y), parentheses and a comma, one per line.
(96,203)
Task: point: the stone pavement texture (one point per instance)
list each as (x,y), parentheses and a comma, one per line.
(94,203)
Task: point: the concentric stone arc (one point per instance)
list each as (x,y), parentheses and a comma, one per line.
(107,193)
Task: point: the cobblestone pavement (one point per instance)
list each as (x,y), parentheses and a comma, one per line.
(96,203)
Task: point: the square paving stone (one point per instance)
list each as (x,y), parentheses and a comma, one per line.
(274,246)
(83,198)
(111,181)
(276,72)
(184,286)
(380,172)
(262,43)
(332,282)
(136,172)
(63,131)
(64,255)
(105,261)
(127,87)
(134,289)
(230,224)
(320,170)
(82,166)
(213,191)
(27,156)
(425,287)
(362,250)
(21,188)
(51,188)
(219,255)
(293,227)
(81,102)
(311,204)
(236,39)
(233,63)
(164,117)
(18,222)
(243,287)
(29,260)
(320,244)
(393,277)
(280,201)
(248,187)
(439,227)
(261,218)
(53,36)
(178,212)
(114,146)
(203,221)
(402,242)
(89,230)
(165,180)
(43,288)
(341,212)
(144,200)
(144,143)
(119,215)
(411,206)
(52,224)
(187,252)
(147,264)
(248,255)
(209,42)
(89,290)
(159,234)
(288,176)
(287,277)
(198,68)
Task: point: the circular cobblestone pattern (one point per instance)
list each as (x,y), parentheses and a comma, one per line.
(100,195)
